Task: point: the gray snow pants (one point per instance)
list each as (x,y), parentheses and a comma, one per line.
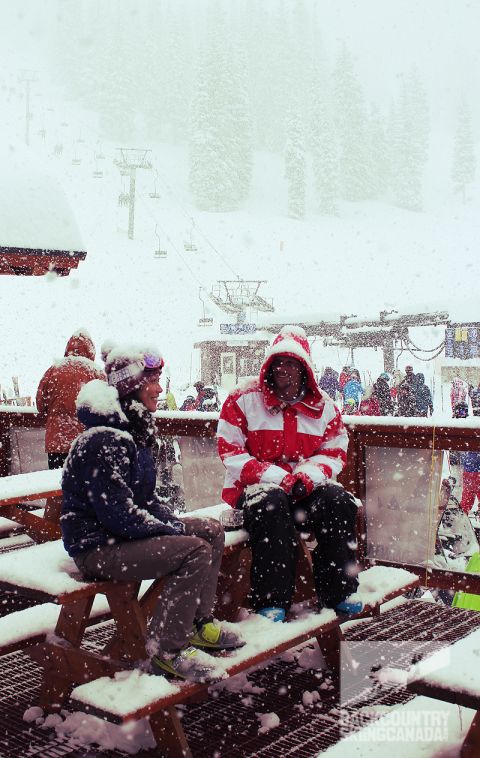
(190,563)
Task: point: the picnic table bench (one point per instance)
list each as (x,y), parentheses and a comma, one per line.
(17,489)
(109,683)
(451,675)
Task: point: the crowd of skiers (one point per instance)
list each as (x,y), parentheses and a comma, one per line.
(390,395)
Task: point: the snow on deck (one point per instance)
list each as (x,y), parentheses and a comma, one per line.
(421,728)
(454,667)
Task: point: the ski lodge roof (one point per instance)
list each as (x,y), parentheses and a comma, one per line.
(39,232)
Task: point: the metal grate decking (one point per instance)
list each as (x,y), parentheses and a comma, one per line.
(227,724)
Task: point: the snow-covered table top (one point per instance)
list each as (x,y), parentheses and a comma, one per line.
(32,483)
(453,668)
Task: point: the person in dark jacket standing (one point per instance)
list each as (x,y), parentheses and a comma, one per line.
(474,393)
(57,393)
(406,400)
(423,397)
(383,394)
(329,383)
(115,525)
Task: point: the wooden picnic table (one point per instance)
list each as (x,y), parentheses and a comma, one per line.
(66,663)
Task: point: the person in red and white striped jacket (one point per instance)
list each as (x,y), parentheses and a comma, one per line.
(282,441)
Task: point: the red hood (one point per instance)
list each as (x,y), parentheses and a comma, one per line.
(292,341)
(80,344)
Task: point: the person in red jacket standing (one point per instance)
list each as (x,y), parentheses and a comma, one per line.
(58,391)
(282,441)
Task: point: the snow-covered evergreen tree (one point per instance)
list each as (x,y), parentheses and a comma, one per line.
(295,166)
(323,144)
(407,157)
(267,46)
(351,129)
(464,163)
(117,80)
(380,166)
(220,138)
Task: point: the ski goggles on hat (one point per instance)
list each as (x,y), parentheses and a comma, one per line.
(152,361)
(149,362)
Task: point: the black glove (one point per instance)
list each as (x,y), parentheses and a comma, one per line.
(299,491)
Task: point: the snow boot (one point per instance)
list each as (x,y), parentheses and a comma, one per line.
(273,614)
(213,636)
(352,605)
(189,664)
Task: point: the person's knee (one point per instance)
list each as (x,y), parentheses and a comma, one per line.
(335,504)
(213,529)
(199,551)
(272,505)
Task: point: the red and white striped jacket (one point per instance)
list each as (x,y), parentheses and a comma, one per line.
(262,439)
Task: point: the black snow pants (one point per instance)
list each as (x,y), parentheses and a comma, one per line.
(272,521)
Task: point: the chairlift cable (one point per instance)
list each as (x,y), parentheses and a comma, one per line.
(431,358)
(201,232)
(425,349)
(171,242)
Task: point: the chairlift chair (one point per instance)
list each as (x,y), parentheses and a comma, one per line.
(97,174)
(99,157)
(58,148)
(123,199)
(155,195)
(76,161)
(190,246)
(159,252)
(205,321)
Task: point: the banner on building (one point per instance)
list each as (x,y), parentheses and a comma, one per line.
(238,328)
(462,342)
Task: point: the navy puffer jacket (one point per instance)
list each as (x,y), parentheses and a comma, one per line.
(108,482)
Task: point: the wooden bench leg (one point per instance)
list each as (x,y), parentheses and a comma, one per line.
(53,509)
(471,744)
(57,679)
(169,735)
(233,584)
(329,643)
(304,583)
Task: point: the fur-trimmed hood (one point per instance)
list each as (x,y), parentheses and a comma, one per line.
(292,341)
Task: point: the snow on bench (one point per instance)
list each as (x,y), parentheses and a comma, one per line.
(119,698)
(34,485)
(30,486)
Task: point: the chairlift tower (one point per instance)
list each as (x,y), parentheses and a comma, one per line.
(27,77)
(235,296)
(130,159)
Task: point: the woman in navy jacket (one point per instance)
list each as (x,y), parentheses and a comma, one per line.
(116,526)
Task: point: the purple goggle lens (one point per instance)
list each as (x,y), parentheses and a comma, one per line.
(152,361)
